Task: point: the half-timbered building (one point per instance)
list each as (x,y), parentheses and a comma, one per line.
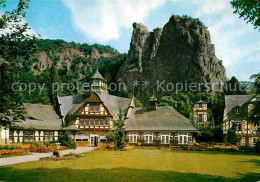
(237,109)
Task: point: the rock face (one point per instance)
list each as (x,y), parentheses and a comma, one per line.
(181,52)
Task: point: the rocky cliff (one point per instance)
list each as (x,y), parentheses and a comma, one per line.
(180,52)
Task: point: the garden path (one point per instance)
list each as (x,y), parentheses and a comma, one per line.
(37,156)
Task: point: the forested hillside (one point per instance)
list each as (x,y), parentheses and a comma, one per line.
(74,62)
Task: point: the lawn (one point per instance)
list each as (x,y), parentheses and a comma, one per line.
(140,165)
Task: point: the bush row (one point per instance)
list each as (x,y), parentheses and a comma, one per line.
(12,152)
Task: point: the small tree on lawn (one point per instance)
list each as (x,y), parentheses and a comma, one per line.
(118,135)
(231,135)
(66,140)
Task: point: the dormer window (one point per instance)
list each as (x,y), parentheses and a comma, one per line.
(237,111)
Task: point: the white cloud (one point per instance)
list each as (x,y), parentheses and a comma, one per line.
(207,6)
(102,21)
(211,6)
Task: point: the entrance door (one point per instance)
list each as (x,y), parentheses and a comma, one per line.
(94,141)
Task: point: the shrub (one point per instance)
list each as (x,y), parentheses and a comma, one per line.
(156,141)
(174,142)
(72,154)
(9,147)
(247,149)
(140,141)
(66,140)
(43,150)
(257,146)
(231,135)
(56,153)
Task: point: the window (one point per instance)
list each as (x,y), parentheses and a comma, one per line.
(86,123)
(26,135)
(148,137)
(200,117)
(31,136)
(237,111)
(81,123)
(91,108)
(48,136)
(133,137)
(165,138)
(96,109)
(239,126)
(200,105)
(101,123)
(255,140)
(96,123)
(106,123)
(91,123)
(51,136)
(183,138)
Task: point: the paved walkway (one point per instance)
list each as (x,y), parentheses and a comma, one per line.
(37,156)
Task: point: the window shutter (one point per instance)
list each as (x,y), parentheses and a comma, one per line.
(250,141)
(243,125)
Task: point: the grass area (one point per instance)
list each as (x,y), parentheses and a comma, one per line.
(140,165)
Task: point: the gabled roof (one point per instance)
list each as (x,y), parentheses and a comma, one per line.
(232,101)
(40,116)
(71,104)
(96,76)
(152,99)
(162,119)
(200,101)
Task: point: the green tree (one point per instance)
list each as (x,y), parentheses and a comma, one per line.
(231,135)
(54,87)
(118,134)
(66,140)
(254,115)
(233,87)
(249,10)
(15,42)
(256,78)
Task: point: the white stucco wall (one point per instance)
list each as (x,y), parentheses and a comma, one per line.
(4,135)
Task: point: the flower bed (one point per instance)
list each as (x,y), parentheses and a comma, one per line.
(47,149)
(12,152)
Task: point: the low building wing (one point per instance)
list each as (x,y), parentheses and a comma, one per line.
(162,119)
(40,116)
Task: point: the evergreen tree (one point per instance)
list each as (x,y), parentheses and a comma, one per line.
(54,87)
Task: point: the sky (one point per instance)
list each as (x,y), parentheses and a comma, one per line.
(109,22)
